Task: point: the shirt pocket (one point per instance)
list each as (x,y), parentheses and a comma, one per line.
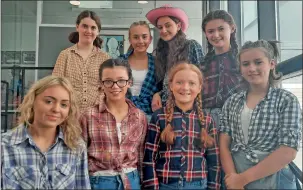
(25,176)
(63,176)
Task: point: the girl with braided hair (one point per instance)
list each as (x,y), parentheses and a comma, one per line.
(221,75)
(181,149)
(260,126)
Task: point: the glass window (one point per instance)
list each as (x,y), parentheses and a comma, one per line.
(249,21)
(290,28)
(18,46)
(293,83)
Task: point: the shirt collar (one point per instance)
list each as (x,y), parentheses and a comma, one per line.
(131,51)
(21,134)
(74,48)
(267,97)
(102,106)
(177,109)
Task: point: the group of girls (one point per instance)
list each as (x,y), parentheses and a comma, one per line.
(210,115)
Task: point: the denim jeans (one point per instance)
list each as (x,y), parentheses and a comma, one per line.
(115,182)
(283,179)
(185,185)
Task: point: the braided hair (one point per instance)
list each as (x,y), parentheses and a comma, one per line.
(168,135)
(219,14)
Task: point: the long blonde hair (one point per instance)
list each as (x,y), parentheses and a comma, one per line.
(168,134)
(70,127)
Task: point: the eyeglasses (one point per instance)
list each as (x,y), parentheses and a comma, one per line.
(110,83)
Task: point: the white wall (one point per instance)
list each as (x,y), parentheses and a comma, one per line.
(290,25)
(18,36)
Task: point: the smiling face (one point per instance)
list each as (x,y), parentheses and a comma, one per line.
(185,87)
(88,30)
(255,66)
(51,107)
(115,82)
(218,34)
(167,28)
(140,38)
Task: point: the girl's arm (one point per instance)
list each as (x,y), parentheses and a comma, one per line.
(225,138)
(150,179)
(213,157)
(60,65)
(82,176)
(142,143)
(225,155)
(270,165)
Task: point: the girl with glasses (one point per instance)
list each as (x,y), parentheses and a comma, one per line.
(114,130)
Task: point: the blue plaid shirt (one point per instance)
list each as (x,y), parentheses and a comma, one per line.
(195,56)
(24,166)
(275,121)
(149,87)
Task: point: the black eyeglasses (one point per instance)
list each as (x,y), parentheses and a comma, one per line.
(109,83)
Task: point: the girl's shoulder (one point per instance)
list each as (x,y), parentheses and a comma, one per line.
(282,95)
(192,43)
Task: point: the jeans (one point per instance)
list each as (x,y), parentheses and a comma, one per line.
(115,182)
(283,179)
(185,185)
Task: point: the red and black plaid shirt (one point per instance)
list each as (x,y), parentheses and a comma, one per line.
(221,80)
(104,150)
(185,159)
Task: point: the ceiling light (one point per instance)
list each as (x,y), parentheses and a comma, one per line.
(76,3)
(142,2)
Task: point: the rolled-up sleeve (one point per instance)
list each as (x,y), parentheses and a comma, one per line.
(290,123)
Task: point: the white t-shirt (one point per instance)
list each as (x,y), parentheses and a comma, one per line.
(245,120)
(139,77)
(118,127)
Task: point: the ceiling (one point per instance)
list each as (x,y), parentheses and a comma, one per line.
(14,11)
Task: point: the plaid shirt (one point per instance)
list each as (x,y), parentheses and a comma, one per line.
(84,75)
(24,166)
(195,56)
(186,159)
(221,80)
(149,87)
(104,150)
(275,121)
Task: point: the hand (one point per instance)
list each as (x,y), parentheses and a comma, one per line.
(156,102)
(234,181)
